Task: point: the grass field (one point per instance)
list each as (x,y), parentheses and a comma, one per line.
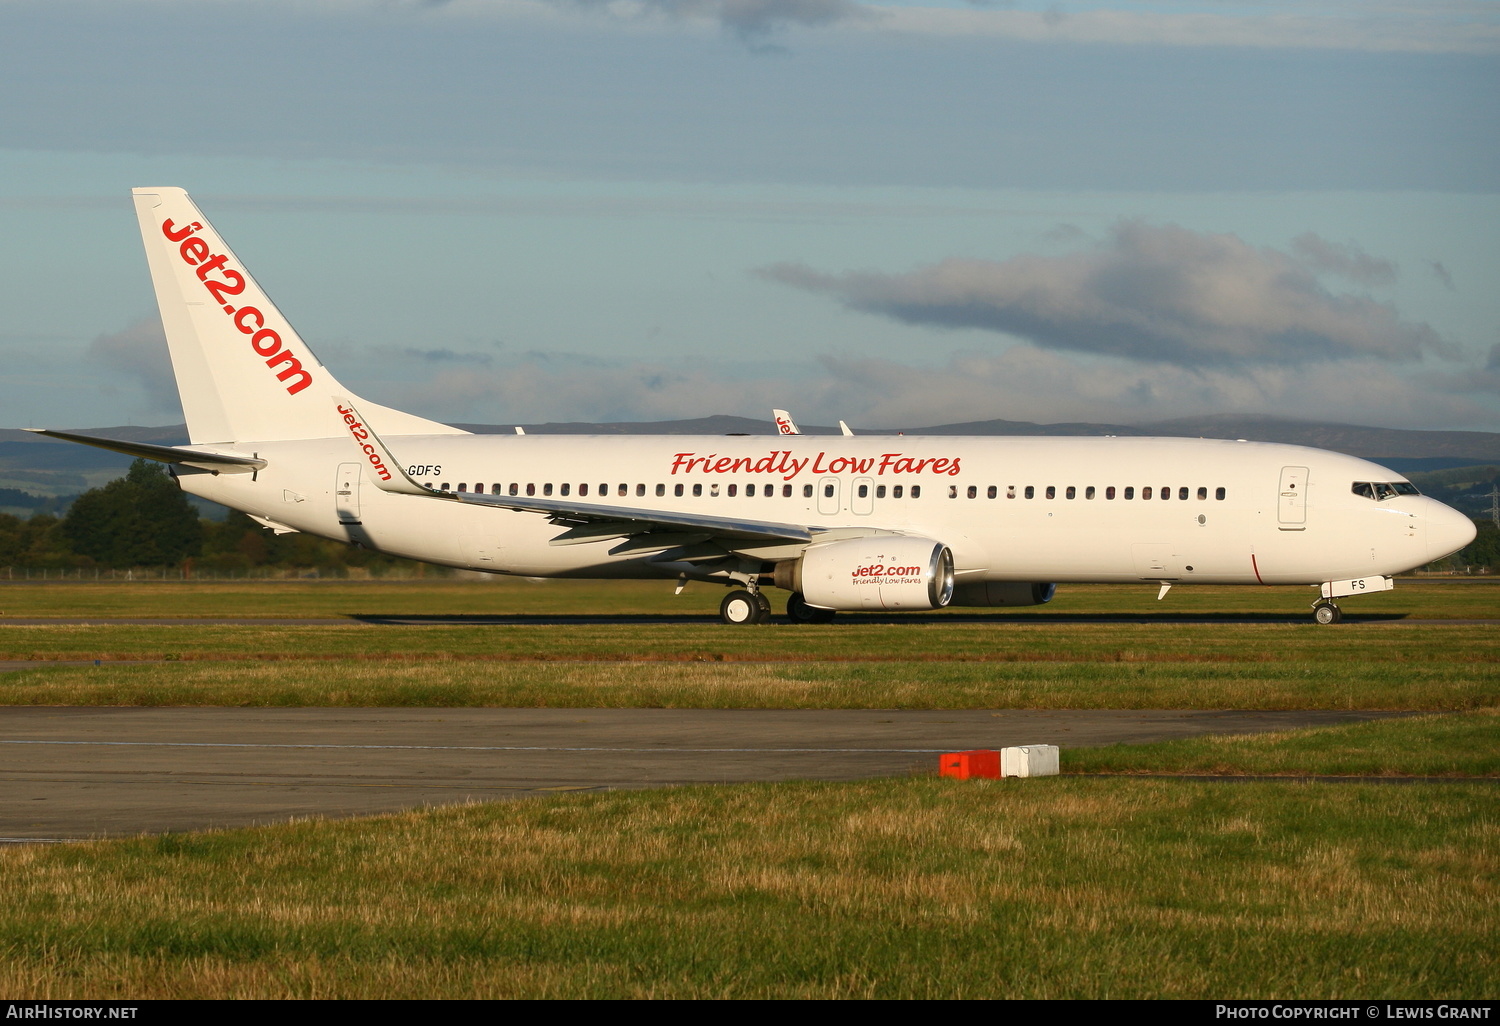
(923,662)
(1452,745)
(1422,680)
(1422,598)
(892,888)
(1077,886)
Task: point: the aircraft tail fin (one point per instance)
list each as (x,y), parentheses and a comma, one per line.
(784,423)
(243,372)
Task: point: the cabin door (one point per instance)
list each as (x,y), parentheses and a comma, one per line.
(346,493)
(1291,502)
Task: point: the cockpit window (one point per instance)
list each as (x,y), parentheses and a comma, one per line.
(1380,490)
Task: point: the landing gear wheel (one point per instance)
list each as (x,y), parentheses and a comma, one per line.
(740,607)
(1326,613)
(762,608)
(798,611)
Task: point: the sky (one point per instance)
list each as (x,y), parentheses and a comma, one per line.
(896,214)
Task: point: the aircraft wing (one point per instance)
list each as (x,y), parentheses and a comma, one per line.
(218,462)
(633,521)
(618,521)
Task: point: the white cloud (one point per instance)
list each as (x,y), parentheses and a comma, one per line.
(1346,260)
(1022,382)
(139,352)
(1461,28)
(1455,26)
(1153,293)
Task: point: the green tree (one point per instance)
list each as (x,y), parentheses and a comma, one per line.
(1484,550)
(142,519)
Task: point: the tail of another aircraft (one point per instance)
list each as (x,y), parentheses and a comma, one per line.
(242,371)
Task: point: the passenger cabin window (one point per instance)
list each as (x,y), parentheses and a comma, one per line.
(828,491)
(445,486)
(864,491)
(713,490)
(1071,493)
(1030,491)
(880,491)
(623,491)
(750,491)
(1219,493)
(1109,493)
(583,489)
(677,490)
(514,487)
(697,490)
(1202,494)
(530,488)
(462,487)
(547,488)
(661,489)
(1088,493)
(1145,492)
(807,491)
(1182,493)
(1166,493)
(916,491)
(786,491)
(733,489)
(640,491)
(1010,491)
(1130,492)
(1051,491)
(953,491)
(992,491)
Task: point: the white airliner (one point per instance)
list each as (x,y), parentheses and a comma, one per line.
(843,523)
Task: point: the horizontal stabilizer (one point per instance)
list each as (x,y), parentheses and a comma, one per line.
(218,462)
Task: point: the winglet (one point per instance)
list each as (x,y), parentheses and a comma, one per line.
(384,470)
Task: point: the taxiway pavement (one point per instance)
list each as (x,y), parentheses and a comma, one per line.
(69,773)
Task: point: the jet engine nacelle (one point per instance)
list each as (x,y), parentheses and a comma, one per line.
(876,572)
(1002,593)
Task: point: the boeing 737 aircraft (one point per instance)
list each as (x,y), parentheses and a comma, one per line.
(843,523)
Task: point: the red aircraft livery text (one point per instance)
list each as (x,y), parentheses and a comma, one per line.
(265,341)
(788,466)
(360,433)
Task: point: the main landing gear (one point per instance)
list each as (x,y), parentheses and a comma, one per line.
(741,606)
(798,611)
(1325,612)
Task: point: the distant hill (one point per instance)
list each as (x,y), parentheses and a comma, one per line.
(47,467)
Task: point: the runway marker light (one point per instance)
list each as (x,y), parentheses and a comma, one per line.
(980,762)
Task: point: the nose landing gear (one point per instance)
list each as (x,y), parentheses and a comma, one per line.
(1326,612)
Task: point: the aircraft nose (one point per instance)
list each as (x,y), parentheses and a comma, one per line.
(1448,530)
